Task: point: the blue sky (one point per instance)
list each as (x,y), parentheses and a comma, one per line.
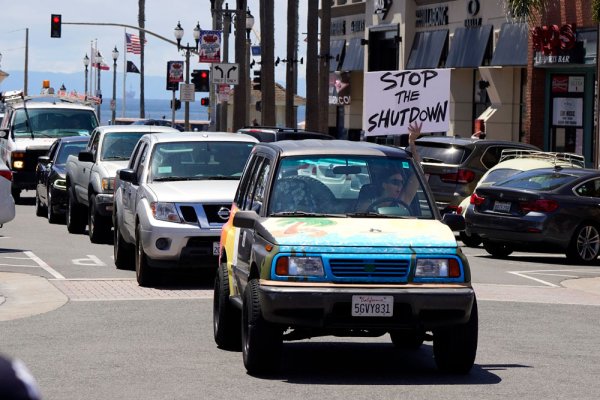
(65,55)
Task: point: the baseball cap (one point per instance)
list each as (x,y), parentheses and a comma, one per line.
(16,382)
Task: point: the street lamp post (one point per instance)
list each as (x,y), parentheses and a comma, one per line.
(249,26)
(98,61)
(113,103)
(86,63)
(178,32)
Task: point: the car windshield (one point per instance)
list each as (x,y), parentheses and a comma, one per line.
(443,153)
(538,180)
(497,175)
(54,122)
(199,160)
(351,186)
(119,145)
(68,149)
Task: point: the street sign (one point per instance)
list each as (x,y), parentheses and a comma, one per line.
(187,92)
(225,73)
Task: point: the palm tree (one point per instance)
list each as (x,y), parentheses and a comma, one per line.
(267,50)
(240,105)
(325,60)
(526,9)
(312,66)
(291,68)
(142,24)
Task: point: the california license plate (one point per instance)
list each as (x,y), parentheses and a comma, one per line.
(216,248)
(502,206)
(372,306)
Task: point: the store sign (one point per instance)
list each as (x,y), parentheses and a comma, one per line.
(382,7)
(339,88)
(556,45)
(473,7)
(567,111)
(436,16)
(395,99)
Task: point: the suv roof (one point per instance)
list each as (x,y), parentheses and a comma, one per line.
(275,133)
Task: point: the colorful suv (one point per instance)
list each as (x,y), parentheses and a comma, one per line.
(314,248)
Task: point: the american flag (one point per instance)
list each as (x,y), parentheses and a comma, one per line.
(133,43)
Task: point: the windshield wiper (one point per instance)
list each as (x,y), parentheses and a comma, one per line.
(377,215)
(173,178)
(432,160)
(305,214)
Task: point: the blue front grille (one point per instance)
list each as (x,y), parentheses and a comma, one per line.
(369,268)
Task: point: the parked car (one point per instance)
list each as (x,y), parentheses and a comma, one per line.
(173,198)
(274,133)
(299,258)
(7,203)
(547,210)
(91,174)
(512,162)
(51,188)
(455,165)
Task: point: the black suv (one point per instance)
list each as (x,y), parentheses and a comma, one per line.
(455,164)
(275,134)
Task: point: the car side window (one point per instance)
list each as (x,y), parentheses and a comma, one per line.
(52,151)
(139,169)
(250,188)
(257,198)
(491,156)
(94,142)
(244,183)
(589,189)
(134,160)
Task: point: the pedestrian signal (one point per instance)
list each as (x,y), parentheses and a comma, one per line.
(55,25)
(205,101)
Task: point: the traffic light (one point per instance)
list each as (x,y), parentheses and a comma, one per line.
(177,104)
(201,80)
(205,101)
(55,25)
(256,82)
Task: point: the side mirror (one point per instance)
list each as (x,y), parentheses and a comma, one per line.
(44,159)
(245,219)
(86,156)
(3,133)
(128,175)
(456,222)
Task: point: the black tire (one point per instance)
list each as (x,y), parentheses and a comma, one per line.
(52,216)
(455,347)
(123,252)
(75,216)
(143,272)
(226,318)
(98,225)
(498,250)
(470,240)
(39,208)
(585,244)
(261,340)
(16,194)
(407,339)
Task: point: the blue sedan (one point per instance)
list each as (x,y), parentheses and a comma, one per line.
(551,210)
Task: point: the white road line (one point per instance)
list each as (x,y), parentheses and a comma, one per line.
(522,275)
(563,275)
(19,265)
(45,266)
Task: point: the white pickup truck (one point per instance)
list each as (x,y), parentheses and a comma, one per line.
(91,174)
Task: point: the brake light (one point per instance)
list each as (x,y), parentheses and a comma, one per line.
(460,176)
(6,174)
(539,206)
(476,199)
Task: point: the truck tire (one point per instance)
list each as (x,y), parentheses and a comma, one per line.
(226,318)
(39,208)
(261,340)
(16,194)
(455,347)
(98,225)
(123,252)
(75,215)
(143,272)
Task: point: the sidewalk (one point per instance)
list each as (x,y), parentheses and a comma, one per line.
(23,295)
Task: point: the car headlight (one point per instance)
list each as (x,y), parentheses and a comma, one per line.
(108,184)
(165,211)
(60,184)
(299,266)
(437,268)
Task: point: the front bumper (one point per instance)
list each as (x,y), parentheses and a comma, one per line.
(187,245)
(330,306)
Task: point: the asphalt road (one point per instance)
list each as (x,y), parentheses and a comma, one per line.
(100,336)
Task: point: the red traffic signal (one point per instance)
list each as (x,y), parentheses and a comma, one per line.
(55,25)
(201,80)
(205,101)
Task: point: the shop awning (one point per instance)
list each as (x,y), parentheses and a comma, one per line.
(468,47)
(336,51)
(427,49)
(511,49)
(354,60)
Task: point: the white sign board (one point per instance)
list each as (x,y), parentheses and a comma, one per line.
(187,92)
(225,73)
(394,99)
(567,111)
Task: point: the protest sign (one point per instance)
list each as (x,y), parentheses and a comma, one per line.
(394,99)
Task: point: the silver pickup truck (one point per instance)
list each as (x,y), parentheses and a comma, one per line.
(91,174)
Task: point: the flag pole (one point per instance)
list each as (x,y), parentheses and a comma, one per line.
(124,72)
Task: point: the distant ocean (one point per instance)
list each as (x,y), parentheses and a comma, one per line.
(159,109)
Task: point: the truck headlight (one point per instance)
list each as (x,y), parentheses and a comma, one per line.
(437,268)
(165,211)
(108,184)
(299,266)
